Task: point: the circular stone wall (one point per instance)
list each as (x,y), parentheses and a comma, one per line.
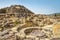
(28,31)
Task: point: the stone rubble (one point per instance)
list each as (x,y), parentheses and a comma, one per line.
(16,18)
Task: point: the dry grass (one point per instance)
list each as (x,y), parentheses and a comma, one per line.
(56,30)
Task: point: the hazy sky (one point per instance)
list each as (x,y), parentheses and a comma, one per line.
(37,6)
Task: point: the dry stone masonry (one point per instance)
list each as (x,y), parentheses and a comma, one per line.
(19,23)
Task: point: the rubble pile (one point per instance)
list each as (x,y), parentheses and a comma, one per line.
(19,23)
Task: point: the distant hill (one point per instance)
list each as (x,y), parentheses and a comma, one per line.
(18,10)
(55,14)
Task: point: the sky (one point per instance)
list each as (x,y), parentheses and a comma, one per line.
(36,6)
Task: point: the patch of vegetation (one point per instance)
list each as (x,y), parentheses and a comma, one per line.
(2,10)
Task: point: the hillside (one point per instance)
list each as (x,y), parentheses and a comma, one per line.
(55,14)
(18,10)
